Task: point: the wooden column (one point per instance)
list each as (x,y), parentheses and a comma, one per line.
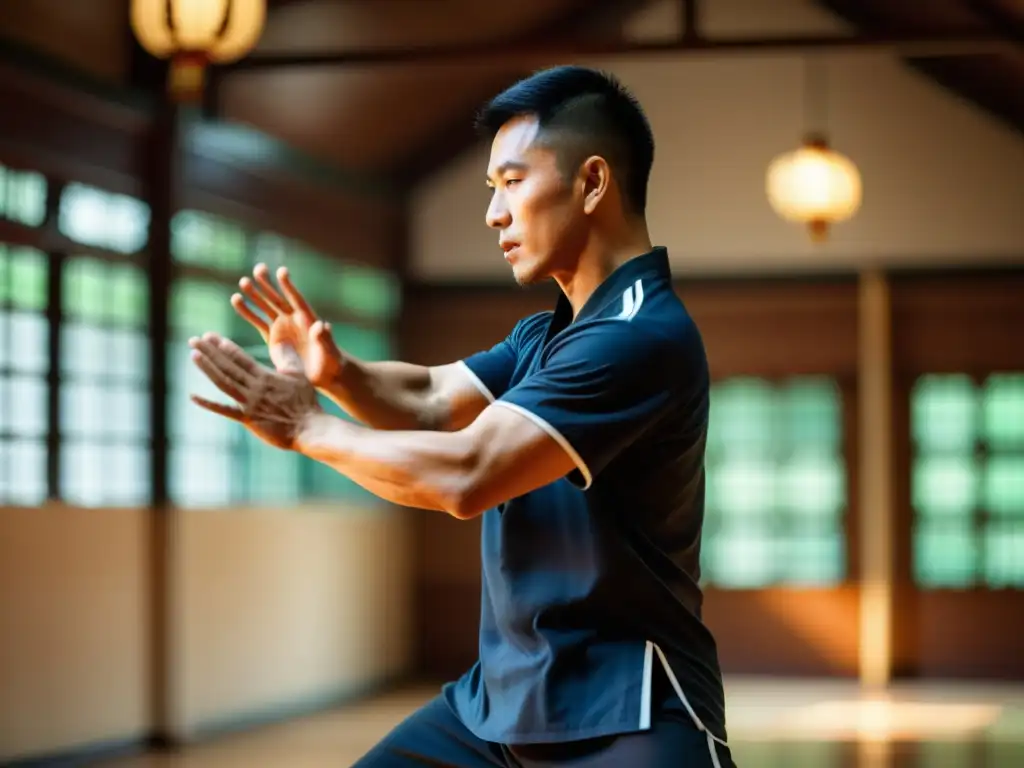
(161,182)
(876,479)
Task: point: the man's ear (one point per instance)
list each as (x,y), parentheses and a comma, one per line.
(596,176)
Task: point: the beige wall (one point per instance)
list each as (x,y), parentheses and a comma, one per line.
(74,661)
(271,610)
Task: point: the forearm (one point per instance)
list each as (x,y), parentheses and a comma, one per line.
(427,470)
(388,395)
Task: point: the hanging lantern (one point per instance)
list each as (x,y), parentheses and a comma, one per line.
(814,185)
(196,33)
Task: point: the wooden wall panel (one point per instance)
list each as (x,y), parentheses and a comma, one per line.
(952,323)
(776,329)
(958,323)
(71,135)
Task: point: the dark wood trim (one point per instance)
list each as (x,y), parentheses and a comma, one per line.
(984,80)
(60,132)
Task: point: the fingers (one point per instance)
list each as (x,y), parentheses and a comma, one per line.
(220,379)
(226,365)
(298,301)
(221,410)
(262,276)
(235,353)
(239,305)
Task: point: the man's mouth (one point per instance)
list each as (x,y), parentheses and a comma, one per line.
(510,249)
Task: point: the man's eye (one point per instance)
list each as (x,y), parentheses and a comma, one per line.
(510,182)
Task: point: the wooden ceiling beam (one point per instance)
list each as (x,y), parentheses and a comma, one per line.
(456,134)
(990,82)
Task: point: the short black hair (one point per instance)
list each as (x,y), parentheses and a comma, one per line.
(594,111)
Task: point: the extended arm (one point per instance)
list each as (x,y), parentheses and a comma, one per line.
(501,455)
(395,395)
(383,395)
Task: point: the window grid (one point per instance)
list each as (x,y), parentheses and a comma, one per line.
(105,437)
(967,481)
(22,196)
(24,370)
(776,484)
(213,462)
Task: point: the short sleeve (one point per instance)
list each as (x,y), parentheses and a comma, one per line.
(599,389)
(491,370)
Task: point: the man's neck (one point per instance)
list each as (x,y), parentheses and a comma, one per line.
(594,267)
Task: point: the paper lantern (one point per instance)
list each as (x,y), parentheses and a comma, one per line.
(195,33)
(814,185)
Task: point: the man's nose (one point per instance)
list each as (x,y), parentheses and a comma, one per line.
(497,213)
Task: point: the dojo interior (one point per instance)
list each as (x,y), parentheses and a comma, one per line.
(174,593)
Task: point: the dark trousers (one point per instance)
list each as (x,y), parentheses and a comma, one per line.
(434,737)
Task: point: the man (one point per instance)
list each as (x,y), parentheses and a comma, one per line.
(579,438)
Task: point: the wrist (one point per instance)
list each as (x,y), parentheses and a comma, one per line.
(341,378)
(310,431)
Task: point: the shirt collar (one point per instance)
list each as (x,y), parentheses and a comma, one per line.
(653,264)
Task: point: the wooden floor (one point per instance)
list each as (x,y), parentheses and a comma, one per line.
(772,724)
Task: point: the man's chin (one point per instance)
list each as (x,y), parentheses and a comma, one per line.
(525,277)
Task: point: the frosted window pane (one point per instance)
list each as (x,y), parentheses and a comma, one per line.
(204,240)
(94,217)
(84,350)
(26,405)
(86,289)
(127,412)
(945,554)
(369,292)
(812,415)
(1003,486)
(128,476)
(944,413)
(24,278)
(1004,554)
(199,306)
(129,296)
(128,355)
(813,486)
(274,475)
(813,559)
(742,558)
(273,251)
(363,343)
(26,472)
(29,339)
(82,474)
(744,487)
(101,292)
(1003,409)
(200,478)
(945,485)
(22,196)
(742,418)
(97,475)
(186,420)
(81,412)
(5,349)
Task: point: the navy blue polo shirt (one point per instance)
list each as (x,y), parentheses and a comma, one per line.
(583,577)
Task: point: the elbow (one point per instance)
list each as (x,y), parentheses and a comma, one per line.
(465,502)
(466,497)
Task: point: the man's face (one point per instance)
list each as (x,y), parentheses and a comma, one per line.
(536,208)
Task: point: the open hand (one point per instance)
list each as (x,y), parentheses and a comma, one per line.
(290,327)
(274,405)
